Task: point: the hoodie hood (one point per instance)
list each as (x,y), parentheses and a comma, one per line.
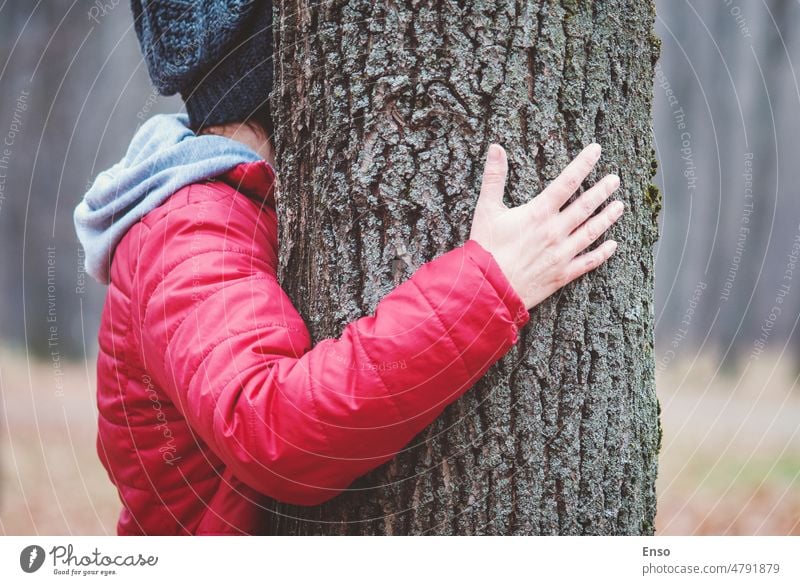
(163,157)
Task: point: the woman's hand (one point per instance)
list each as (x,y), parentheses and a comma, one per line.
(537,245)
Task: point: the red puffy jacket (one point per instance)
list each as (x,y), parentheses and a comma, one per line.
(210,395)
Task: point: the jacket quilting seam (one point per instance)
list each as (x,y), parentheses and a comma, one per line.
(316,411)
(199,302)
(251,412)
(181,486)
(184,258)
(210,349)
(446,330)
(389,395)
(187,191)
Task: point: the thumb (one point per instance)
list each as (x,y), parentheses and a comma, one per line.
(494,177)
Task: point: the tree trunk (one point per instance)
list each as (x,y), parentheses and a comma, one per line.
(384,112)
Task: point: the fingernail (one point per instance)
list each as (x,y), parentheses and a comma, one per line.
(612,245)
(594,151)
(613,181)
(495,153)
(618,208)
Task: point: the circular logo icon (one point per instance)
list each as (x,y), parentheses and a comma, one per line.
(31,558)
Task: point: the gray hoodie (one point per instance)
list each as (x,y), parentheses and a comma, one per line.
(164,156)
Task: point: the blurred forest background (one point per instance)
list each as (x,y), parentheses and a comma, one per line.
(73,89)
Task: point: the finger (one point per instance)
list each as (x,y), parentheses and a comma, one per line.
(557,192)
(594,227)
(494,178)
(584,206)
(582,264)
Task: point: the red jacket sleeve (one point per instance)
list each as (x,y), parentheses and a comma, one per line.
(223,340)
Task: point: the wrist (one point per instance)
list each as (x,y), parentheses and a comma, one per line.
(518,313)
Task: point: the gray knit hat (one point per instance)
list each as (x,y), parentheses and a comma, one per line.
(216,53)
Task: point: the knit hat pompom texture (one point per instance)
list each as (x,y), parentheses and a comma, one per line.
(216,53)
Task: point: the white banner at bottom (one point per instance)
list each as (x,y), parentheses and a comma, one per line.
(401,560)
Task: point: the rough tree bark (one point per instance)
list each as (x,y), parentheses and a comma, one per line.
(384,112)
